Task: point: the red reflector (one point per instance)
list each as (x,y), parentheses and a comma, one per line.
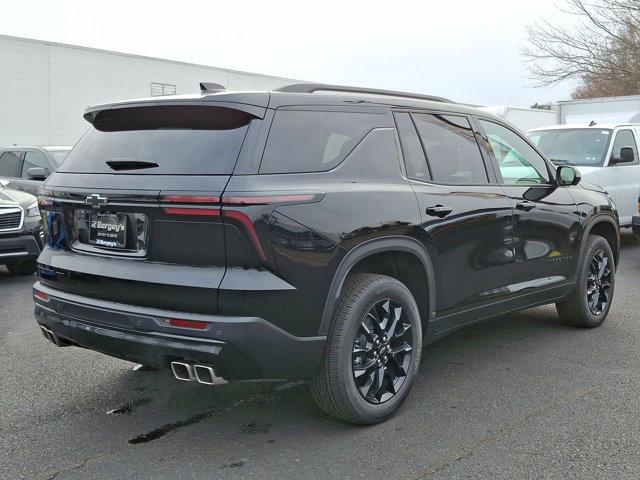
(189,199)
(41,295)
(266,199)
(207,212)
(178,322)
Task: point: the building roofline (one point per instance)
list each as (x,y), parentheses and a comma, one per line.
(145,57)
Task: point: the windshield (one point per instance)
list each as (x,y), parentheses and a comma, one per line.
(59,155)
(574,146)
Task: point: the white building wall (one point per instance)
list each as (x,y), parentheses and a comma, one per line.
(45,87)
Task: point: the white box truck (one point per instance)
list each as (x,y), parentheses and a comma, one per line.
(523,118)
(616,110)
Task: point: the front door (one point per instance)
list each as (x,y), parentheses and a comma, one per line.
(466,217)
(546,224)
(26,182)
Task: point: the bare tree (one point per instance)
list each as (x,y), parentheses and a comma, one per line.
(601,49)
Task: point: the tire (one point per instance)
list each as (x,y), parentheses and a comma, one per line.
(335,387)
(578,308)
(28,267)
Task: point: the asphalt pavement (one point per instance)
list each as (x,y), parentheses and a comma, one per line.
(518,397)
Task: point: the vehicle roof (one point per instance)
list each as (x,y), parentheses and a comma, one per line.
(582,125)
(275,99)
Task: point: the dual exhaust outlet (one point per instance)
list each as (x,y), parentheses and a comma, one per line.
(200,373)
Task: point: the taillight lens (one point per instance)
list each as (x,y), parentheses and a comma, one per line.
(180,322)
(41,295)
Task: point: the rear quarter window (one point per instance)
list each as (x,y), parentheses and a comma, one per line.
(302,141)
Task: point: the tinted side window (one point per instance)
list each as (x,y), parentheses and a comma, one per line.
(519,163)
(10,164)
(624,138)
(452,151)
(414,159)
(34,159)
(313,141)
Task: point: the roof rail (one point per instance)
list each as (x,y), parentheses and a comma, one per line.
(207,87)
(320,87)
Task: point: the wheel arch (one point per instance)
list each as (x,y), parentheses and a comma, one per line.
(606,227)
(375,249)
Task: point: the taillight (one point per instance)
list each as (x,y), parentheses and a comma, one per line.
(214,206)
(41,295)
(267,199)
(190,199)
(180,322)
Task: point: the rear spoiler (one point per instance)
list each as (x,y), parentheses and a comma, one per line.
(253,103)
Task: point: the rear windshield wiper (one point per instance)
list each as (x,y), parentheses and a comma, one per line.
(130,164)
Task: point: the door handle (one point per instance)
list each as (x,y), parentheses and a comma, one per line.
(525,205)
(438,211)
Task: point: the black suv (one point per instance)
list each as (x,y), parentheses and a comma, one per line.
(313,232)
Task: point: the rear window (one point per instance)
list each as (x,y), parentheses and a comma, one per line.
(167,140)
(314,141)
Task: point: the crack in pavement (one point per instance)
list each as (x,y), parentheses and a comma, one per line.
(469,450)
(161,432)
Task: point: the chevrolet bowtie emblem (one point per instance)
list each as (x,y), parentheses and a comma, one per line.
(96,201)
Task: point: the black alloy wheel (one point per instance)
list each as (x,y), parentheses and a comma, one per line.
(588,304)
(382,351)
(599,282)
(373,350)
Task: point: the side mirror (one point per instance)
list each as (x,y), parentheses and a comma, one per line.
(626,156)
(567,175)
(36,173)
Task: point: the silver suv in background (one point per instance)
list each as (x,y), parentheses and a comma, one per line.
(25,168)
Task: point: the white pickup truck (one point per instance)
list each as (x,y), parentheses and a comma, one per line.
(605,154)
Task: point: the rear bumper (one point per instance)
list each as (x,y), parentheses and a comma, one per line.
(236,347)
(18,248)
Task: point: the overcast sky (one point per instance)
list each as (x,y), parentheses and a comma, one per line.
(465,50)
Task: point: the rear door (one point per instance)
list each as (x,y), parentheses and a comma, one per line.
(546,224)
(626,176)
(466,216)
(134,211)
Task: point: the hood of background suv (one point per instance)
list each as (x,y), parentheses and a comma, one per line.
(10,197)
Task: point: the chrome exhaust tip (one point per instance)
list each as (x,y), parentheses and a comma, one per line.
(182,371)
(207,376)
(45,332)
(52,337)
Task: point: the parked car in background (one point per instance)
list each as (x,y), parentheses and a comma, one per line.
(605,154)
(25,168)
(325,236)
(21,233)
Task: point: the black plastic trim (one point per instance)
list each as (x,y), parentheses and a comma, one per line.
(371,247)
